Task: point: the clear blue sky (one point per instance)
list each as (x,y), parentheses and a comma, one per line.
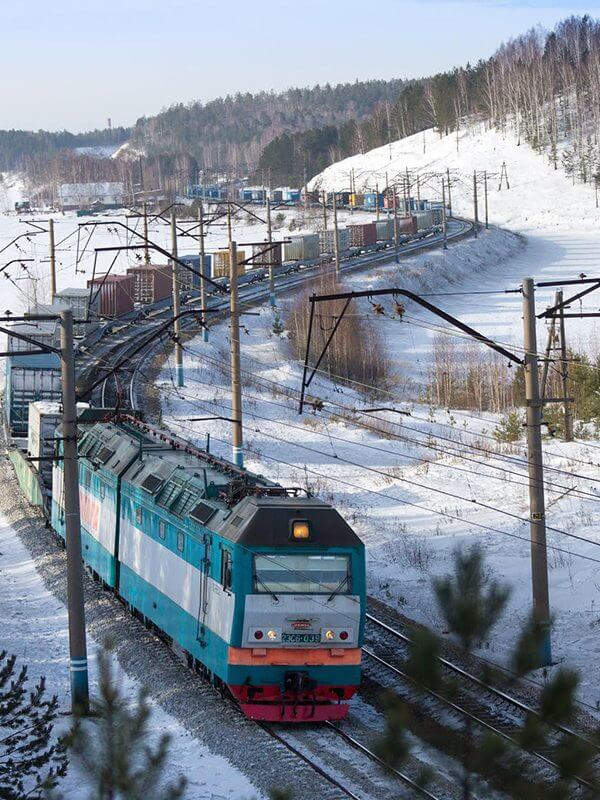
(74,63)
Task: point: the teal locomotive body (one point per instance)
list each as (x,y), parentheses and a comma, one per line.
(262,589)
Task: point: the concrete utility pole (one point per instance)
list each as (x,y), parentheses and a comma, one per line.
(271,254)
(396,232)
(202,271)
(444,226)
(77,640)
(475,210)
(564,371)
(324,195)
(485,191)
(449,192)
(377,201)
(177,322)
(305,192)
(418,189)
(146,248)
(52,258)
(336,241)
(234,347)
(537,511)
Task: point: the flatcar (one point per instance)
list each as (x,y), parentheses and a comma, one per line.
(260,588)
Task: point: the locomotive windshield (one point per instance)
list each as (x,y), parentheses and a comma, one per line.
(311,574)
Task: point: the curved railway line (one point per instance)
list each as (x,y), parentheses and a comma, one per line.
(492,709)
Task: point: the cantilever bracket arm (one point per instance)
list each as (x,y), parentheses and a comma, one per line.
(153,246)
(550,312)
(349,296)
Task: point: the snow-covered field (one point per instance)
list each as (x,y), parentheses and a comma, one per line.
(34,626)
(422,486)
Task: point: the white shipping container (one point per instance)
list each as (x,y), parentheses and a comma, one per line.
(326,240)
(44,416)
(424,219)
(302,247)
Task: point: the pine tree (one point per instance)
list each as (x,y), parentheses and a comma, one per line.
(113,748)
(31,759)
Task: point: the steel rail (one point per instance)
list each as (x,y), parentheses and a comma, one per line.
(404,778)
(323,773)
(523,707)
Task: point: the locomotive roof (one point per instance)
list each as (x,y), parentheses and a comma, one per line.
(264,521)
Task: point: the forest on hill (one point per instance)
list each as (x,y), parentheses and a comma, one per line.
(543,84)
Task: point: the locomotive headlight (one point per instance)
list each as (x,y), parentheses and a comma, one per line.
(300,529)
(272,635)
(329,635)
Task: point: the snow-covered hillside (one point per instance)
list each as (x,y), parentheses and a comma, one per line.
(539,196)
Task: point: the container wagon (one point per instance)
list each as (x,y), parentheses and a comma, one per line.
(152,282)
(28,379)
(274,256)
(115,293)
(78,300)
(363,234)
(373,200)
(327,240)
(261,588)
(220,263)
(302,248)
(424,219)
(189,279)
(384,230)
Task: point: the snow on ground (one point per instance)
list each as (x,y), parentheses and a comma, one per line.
(417,488)
(560,220)
(34,627)
(22,284)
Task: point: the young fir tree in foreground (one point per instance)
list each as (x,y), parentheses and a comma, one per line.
(112,746)
(31,759)
(471,603)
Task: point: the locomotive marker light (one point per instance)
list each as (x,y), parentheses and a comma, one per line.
(300,529)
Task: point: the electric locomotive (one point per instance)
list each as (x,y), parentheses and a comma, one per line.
(262,589)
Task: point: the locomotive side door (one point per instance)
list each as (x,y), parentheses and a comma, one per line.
(203,599)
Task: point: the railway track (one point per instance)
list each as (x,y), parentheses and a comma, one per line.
(100,351)
(487,707)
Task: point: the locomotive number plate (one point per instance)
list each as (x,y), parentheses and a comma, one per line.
(301,638)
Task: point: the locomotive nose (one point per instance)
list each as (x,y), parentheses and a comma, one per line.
(298,682)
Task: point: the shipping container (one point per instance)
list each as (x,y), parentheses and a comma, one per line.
(115,293)
(152,282)
(407,225)
(78,300)
(373,200)
(46,333)
(302,248)
(362,234)
(291,195)
(437,214)
(220,263)
(273,256)
(44,417)
(28,379)
(326,240)
(189,279)
(357,199)
(424,219)
(384,229)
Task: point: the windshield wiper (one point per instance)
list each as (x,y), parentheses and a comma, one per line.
(266,588)
(338,588)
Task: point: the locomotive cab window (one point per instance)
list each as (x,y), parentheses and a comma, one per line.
(226,563)
(180,541)
(138,515)
(302,573)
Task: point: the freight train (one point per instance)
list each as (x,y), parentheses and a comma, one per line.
(261,589)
